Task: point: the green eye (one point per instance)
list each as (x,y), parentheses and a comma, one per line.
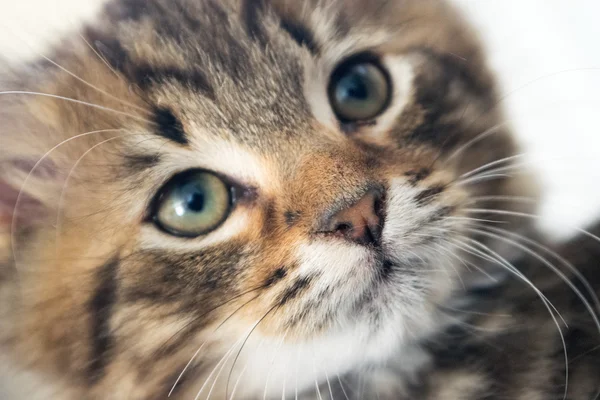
(359,90)
(192,204)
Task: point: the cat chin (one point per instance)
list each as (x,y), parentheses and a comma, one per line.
(273,366)
(387,328)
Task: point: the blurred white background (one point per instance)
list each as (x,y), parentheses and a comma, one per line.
(547,56)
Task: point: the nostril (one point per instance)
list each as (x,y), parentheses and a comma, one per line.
(344,228)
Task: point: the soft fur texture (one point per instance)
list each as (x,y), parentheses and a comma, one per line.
(99,303)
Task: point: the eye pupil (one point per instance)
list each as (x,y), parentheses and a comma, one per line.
(354,86)
(196,201)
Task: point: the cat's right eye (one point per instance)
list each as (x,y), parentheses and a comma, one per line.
(193,203)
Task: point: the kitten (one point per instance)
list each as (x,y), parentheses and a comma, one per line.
(247,199)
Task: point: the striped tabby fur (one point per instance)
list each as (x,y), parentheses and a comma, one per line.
(98,303)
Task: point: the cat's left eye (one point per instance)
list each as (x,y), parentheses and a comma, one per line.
(193,203)
(359,89)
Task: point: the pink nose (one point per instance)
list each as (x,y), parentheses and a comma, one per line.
(361,222)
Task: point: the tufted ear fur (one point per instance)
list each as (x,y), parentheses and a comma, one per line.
(29,191)
(26,187)
(30,182)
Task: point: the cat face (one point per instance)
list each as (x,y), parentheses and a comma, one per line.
(283,185)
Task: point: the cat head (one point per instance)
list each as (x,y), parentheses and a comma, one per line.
(293,178)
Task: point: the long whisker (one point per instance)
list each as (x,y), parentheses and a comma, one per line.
(220,364)
(491,221)
(444,306)
(206,341)
(342,387)
(329,385)
(482,178)
(101,57)
(476,139)
(92,105)
(283,389)
(318,391)
(95,87)
(273,362)
(243,344)
(518,199)
(239,379)
(514,168)
(525,215)
(209,311)
(493,279)
(297,362)
(491,164)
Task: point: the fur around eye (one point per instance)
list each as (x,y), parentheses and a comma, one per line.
(193,203)
(359,89)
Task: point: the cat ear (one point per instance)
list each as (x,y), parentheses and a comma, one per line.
(28,191)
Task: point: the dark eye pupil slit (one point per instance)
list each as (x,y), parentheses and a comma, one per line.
(357,88)
(196,201)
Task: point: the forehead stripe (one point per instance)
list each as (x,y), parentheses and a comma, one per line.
(169,126)
(301,35)
(194,78)
(253,13)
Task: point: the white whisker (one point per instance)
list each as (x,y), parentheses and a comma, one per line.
(476,139)
(94,87)
(482,178)
(92,105)
(101,57)
(470,219)
(185,368)
(490,164)
(273,363)
(342,387)
(296,388)
(526,215)
(246,364)
(220,364)
(318,391)
(204,343)
(519,199)
(243,344)
(477,268)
